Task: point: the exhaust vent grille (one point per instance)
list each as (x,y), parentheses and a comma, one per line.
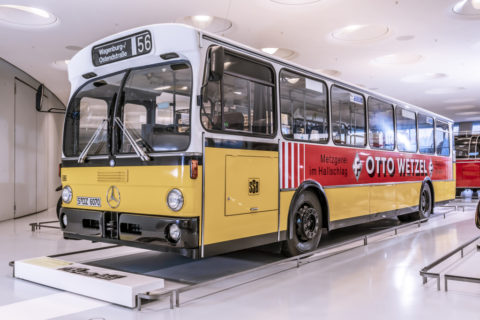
(112,176)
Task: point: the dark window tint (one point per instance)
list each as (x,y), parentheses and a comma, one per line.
(380,124)
(406,130)
(442,138)
(242,101)
(348,117)
(303,103)
(425,134)
(462,145)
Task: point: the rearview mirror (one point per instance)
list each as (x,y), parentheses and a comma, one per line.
(39,97)
(216,63)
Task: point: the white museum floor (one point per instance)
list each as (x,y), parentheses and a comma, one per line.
(377,281)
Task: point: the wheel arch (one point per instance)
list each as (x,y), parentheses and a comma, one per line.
(317,189)
(428,181)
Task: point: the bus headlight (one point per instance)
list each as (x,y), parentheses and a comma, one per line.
(67,194)
(175,199)
(174,233)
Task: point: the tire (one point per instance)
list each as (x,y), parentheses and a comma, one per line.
(425,205)
(306,222)
(59,206)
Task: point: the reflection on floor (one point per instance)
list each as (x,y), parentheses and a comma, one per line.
(378,281)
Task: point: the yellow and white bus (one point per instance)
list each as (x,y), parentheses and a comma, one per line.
(178,140)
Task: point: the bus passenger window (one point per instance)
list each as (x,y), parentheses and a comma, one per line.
(348,118)
(442,138)
(406,130)
(303,103)
(461,147)
(425,134)
(247,92)
(380,124)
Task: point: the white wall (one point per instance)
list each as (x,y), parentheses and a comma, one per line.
(46,149)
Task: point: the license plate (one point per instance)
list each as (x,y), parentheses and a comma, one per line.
(88,202)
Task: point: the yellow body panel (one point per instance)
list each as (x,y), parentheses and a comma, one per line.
(143,189)
(248,187)
(408,194)
(221,227)
(285,200)
(383,198)
(350,202)
(444,190)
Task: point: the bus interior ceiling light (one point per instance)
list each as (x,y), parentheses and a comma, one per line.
(26,16)
(361,33)
(208,23)
(467,8)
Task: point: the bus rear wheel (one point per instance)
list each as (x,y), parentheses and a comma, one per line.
(305,220)
(425,206)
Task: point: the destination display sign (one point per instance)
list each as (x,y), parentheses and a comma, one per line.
(124,48)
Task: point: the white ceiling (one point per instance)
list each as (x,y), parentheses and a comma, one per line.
(448,43)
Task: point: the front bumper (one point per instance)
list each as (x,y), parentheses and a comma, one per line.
(136,230)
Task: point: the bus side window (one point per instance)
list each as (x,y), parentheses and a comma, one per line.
(406,130)
(348,118)
(247,92)
(425,134)
(380,124)
(303,102)
(442,138)
(461,147)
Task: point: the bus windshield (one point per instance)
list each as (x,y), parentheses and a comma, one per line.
(154,107)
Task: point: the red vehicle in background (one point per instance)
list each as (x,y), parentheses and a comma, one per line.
(468,163)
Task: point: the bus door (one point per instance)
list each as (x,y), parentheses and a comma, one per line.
(241,157)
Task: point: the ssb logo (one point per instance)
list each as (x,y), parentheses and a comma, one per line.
(253,186)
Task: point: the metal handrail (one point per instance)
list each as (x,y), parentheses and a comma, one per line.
(425,271)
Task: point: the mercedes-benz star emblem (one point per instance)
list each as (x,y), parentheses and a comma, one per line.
(113,197)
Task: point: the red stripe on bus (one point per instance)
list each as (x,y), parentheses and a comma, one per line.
(289,182)
(302,163)
(295,166)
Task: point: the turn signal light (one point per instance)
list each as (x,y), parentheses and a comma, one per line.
(194,169)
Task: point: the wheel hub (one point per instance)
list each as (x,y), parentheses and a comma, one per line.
(307,223)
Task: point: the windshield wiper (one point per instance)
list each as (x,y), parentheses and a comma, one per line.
(139,151)
(83,155)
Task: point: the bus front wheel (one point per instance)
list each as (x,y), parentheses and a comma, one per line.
(305,222)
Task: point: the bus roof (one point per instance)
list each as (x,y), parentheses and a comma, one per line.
(181,39)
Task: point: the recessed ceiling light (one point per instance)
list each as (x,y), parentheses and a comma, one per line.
(461,107)
(445,90)
(73,48)
(293,80)
(295,2)
(460,100)
(358,33)
(26,16)
(207,23)
(415,78)
(330,72)
(283,53)
(398,58)
(405,38)
(467,113)
(61,64)
(467,8)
